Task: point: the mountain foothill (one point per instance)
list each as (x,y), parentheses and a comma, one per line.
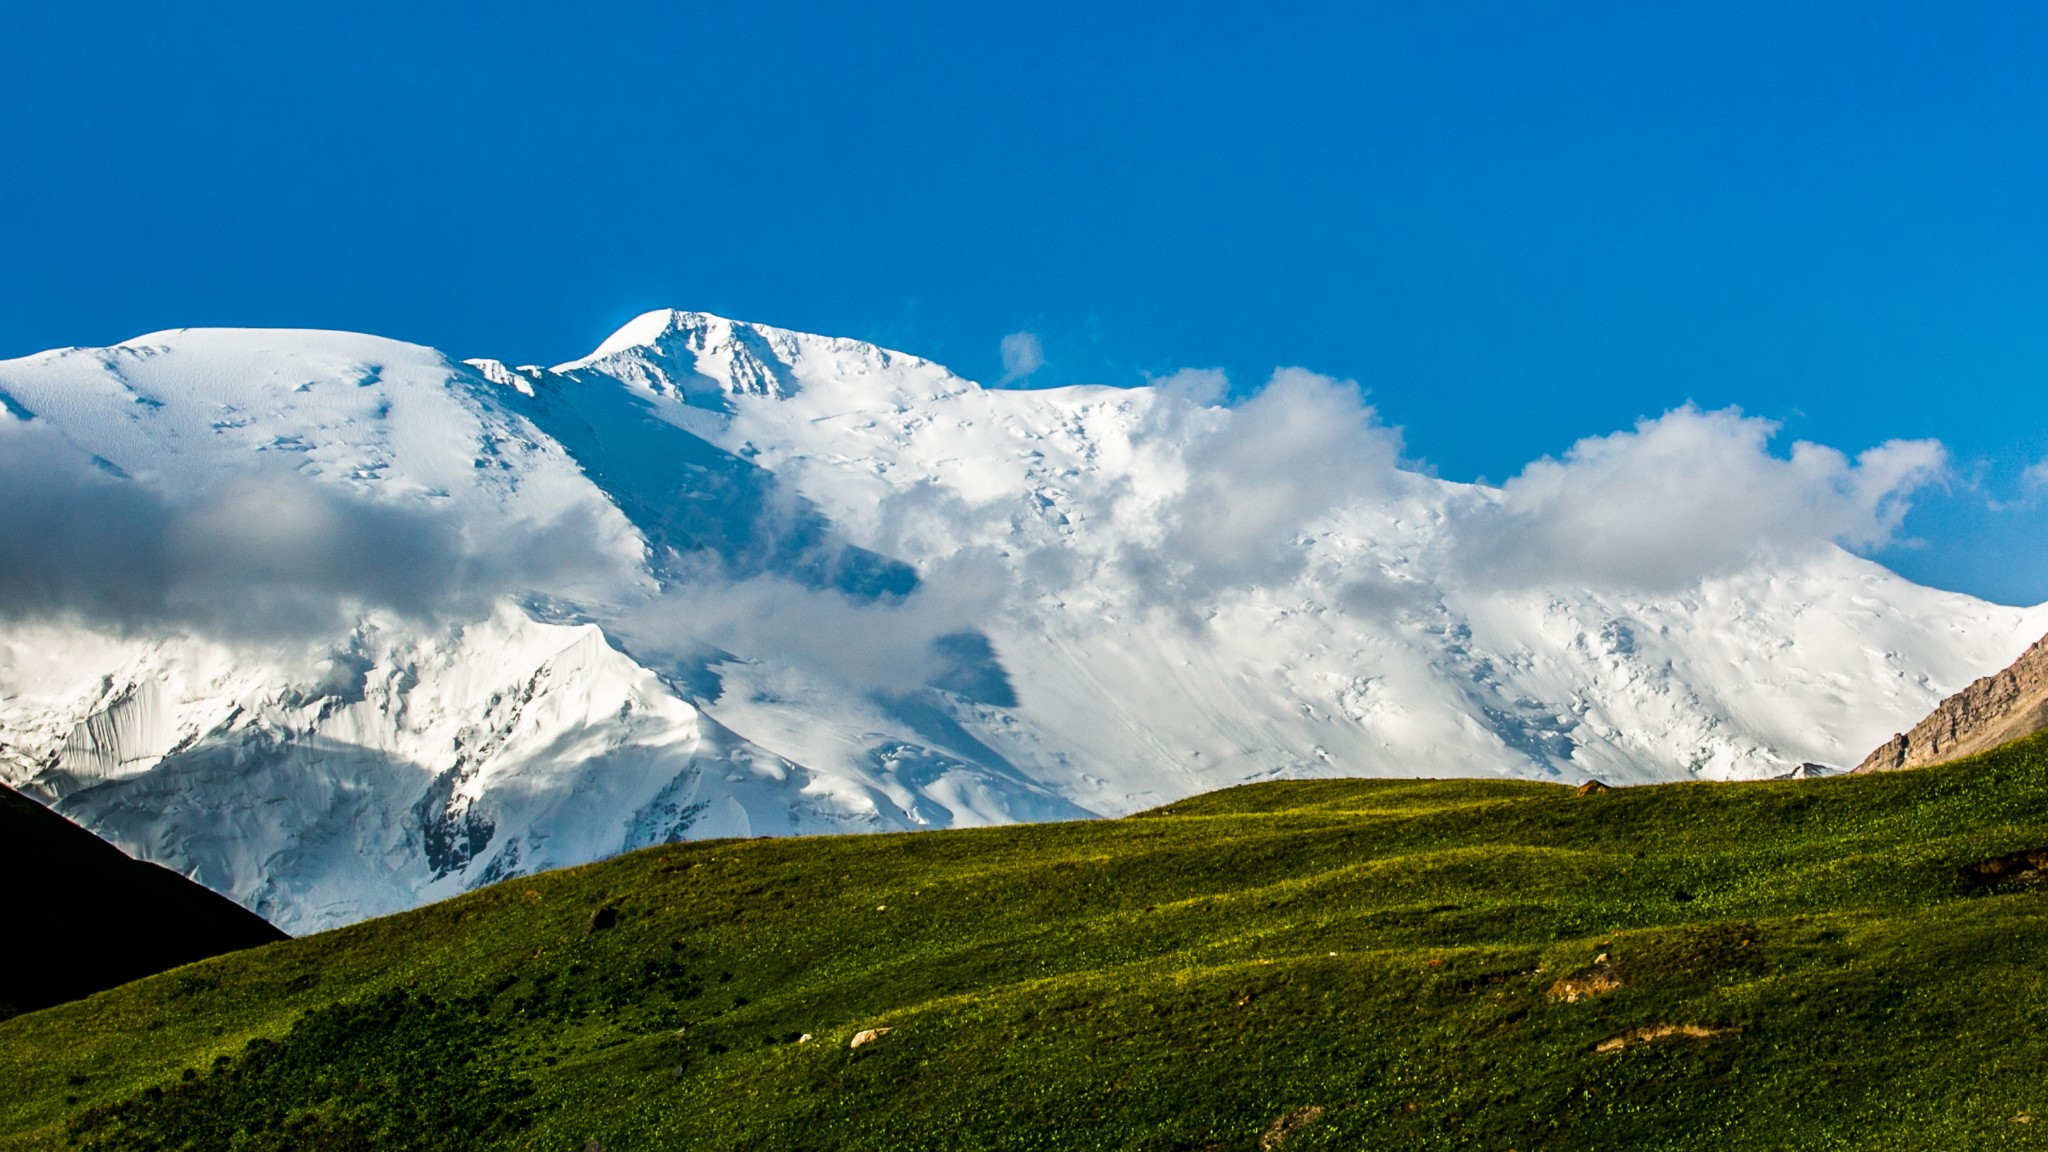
(1205,802)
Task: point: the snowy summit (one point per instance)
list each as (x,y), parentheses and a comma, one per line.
(338,625)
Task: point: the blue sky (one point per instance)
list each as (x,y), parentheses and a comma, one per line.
(1515,224)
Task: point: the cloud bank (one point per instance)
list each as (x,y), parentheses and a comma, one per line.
(1218,502)
(256,556)
(1686,496)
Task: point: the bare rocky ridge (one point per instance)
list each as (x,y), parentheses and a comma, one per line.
(1995,710)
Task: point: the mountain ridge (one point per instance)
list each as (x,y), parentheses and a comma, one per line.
(2008,705)
(848,590)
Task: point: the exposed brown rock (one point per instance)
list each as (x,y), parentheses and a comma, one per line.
(2014,870)
(1995,710)
(1658,1032)
(1596,979)
(1591,787)
(1288,1125)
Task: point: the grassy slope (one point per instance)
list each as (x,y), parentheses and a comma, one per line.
(1179,979)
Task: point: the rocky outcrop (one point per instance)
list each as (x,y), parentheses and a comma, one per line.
(1995,710)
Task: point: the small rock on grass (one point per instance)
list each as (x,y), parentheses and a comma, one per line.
(1286,1126)
(1584,985)
(1597,979)
(1658,1032)
(869,1036)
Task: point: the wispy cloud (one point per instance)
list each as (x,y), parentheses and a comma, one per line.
(2032,487)
(2034,481)
(1023,355)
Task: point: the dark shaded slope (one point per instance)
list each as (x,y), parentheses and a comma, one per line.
(81,916)
(694,500)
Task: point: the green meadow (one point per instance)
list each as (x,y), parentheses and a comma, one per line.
(1332,964)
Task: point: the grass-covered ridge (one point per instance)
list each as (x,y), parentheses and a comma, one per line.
(1329,964)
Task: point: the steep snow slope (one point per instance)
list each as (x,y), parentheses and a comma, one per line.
(725,579)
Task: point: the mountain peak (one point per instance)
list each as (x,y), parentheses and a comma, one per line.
(671,352)
(648,328)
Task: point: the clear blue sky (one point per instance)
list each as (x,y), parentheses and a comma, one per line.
(1516,224)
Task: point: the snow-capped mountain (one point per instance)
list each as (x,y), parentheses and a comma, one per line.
(338,625)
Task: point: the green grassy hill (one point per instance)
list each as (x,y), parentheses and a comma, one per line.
(1331,964)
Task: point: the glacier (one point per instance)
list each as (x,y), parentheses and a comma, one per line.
(351,625)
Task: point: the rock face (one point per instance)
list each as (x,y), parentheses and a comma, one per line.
(1995,710)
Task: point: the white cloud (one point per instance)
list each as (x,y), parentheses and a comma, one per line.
(888,645)
(2035,479)
(2033,485)
(1264,473)
(1202,387)
(1689,495)
(1022,355)
(1202,501)
(260,555)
